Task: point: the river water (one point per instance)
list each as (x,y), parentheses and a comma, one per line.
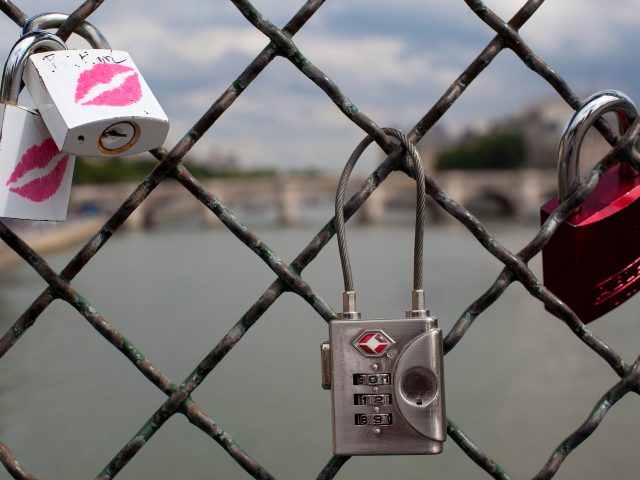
(518,383)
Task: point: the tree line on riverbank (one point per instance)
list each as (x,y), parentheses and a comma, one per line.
(110,170)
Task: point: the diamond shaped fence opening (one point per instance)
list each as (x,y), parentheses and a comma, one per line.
(170,166)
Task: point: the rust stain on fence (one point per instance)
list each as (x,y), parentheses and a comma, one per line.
(288,276)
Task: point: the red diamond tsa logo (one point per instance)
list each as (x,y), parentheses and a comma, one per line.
(373,343)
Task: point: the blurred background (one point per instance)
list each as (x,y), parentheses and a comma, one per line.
(174,281)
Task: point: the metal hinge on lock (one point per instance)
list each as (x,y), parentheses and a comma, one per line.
(95,102)
(386,376)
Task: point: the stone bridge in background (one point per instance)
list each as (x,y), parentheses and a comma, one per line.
(285,198)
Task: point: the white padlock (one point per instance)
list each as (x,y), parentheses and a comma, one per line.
(35,177)
(95,102)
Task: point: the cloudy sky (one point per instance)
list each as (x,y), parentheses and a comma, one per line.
(393,59)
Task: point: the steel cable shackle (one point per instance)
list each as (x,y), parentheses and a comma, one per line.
(411,151)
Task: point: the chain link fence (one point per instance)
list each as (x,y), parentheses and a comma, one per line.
(289,277)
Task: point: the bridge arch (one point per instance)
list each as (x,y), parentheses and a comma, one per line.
(491,203)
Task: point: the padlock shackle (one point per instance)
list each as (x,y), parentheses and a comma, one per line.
(412,151)
(50,20)
(30,43)
(581,121)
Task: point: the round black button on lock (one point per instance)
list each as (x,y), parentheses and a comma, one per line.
(419,386)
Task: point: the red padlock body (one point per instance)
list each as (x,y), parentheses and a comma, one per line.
(592,262)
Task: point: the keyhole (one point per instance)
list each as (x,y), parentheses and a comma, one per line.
(119,138)
(115,133)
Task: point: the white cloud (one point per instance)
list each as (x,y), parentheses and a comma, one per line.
(577,27)
(373,59)
(166,47)
(278,128)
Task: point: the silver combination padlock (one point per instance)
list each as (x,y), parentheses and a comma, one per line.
(386,376)
(35,177)
(95,102)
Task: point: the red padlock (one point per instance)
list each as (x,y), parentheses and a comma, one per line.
(592,262)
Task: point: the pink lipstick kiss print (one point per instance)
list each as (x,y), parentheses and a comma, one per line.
(108,84)
(42,157)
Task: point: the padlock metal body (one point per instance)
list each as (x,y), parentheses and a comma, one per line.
(35,175)
(592,262)
(82,94)
(384,417)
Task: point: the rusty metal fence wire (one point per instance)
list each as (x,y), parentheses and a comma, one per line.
(289,277)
